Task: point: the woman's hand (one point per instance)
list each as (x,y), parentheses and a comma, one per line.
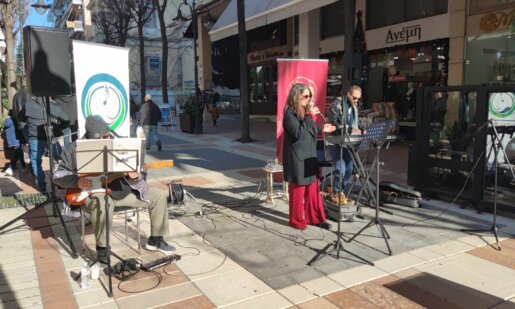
(328,128)
(314,111)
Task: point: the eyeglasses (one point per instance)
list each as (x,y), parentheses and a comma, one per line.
(306,96)
(355,99)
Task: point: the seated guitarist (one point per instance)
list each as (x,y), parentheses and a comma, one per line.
(131,190)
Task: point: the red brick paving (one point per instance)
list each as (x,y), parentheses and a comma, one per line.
(53,282)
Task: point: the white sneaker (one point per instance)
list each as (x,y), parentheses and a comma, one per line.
(9,171)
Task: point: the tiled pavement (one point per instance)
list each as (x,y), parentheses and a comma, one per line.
(36,267)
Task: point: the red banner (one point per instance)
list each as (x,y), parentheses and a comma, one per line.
(311,72)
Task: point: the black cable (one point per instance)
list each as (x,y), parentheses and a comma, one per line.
(454,200)
(158,275)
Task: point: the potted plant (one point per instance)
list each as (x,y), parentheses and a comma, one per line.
(454,134)
(187,118)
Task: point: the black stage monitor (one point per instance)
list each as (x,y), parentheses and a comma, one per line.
(47,61)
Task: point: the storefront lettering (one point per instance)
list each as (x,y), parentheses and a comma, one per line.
(268,54)
(404,34)
(493,20)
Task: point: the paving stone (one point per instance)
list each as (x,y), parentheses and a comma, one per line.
(268,300)
(232,287)
(297,294)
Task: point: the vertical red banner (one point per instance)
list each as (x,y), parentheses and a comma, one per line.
(311,72)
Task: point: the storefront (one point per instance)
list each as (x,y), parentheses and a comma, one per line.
(405,57)
(490,43)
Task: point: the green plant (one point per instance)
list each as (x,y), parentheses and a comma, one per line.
(453,132)
(189,106)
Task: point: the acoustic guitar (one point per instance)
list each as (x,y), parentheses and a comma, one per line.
(77,197)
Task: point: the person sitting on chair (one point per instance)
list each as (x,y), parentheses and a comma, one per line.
(351,123)
(131,190)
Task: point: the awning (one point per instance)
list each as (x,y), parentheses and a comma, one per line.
(261,13)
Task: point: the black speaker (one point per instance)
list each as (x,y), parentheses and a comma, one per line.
(47,61)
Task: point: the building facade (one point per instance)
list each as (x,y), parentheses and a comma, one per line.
(76,15)
(410,44)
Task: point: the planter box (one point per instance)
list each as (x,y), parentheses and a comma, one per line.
(187,123)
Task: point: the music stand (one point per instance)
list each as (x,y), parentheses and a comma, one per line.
(376,136)
(52,198)
(112,160)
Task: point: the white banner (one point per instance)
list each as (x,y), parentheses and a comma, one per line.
(102,85)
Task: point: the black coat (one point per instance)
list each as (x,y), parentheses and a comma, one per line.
(150,114)
(300,164)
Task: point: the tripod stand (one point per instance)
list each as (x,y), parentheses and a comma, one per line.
(496,145)
(52,198)
(376,136)
(341,142)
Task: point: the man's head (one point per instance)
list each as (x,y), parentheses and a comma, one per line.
(354,95)
(96,128)
(147,97)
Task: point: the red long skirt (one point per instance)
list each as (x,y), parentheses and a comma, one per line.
(306,205)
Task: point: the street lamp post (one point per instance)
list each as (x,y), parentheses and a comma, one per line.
(198,102)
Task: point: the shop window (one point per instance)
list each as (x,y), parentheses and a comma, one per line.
(481,6)
(152,21)
(332,20)
(490,59)
(451,134)
(267,36)
(153,70)
(382,13)
(296,29)
(396,74)
(416,9)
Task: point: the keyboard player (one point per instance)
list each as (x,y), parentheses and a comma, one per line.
(349,108)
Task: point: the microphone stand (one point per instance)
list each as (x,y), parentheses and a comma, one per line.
(337,244)
(496,145)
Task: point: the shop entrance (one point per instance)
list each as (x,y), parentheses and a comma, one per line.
(263,89)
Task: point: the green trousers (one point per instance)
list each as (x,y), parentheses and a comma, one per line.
(157,208)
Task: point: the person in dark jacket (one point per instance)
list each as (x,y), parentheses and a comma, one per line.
(346,110)
(36,121)
(134,113)
(300,164)
(131,190)
(150,115)
(12,139)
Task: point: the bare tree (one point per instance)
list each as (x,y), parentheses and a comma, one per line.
(141,11)
(12,16)
(113,20)
(160,8)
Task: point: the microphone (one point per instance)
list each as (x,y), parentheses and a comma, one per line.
(311,104)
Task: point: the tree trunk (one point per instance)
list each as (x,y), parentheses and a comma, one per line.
(10,58)
(164,49)
(244,85)
(143,84)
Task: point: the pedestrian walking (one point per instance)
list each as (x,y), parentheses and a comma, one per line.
(12,144)
(150,115)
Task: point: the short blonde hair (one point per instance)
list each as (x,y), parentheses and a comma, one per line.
(147,97)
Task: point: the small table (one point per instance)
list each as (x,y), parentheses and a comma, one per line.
(269,181)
